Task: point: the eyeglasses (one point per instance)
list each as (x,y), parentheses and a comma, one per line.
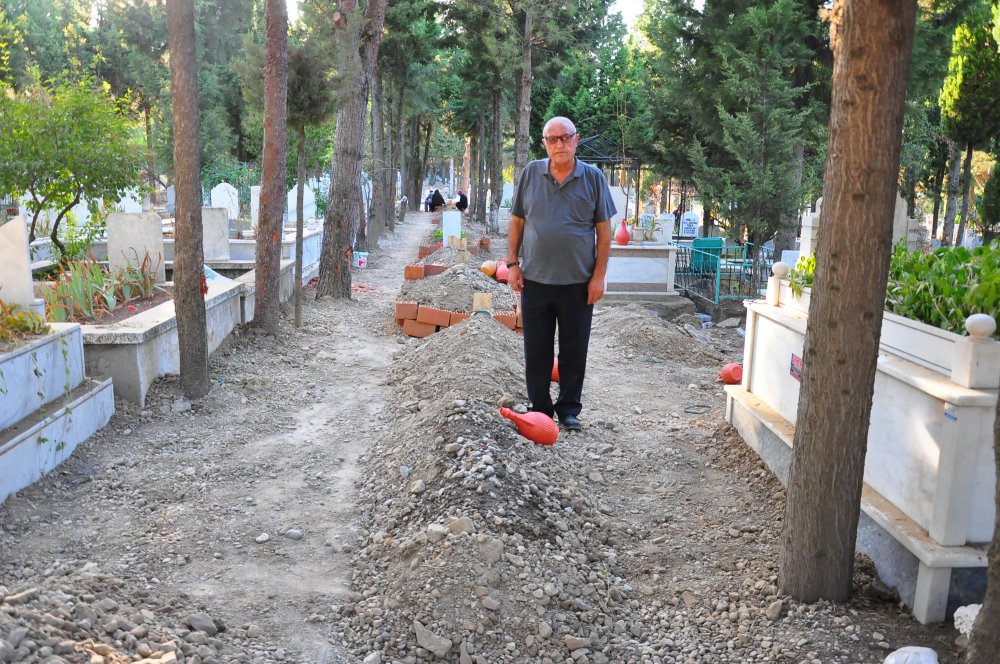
(564,139)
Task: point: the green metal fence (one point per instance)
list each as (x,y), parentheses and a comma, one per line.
(714,271)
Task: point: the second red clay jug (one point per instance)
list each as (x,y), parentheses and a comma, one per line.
(555,370)
(537,427)
(622,236)
(731,374)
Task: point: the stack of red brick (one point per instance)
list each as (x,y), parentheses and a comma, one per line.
(420,320)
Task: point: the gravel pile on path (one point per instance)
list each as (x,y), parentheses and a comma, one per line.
(453,289)
(481,546)
(640,332)
(76,614)
(449,256)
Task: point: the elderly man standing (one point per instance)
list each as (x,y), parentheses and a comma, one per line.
(558,247)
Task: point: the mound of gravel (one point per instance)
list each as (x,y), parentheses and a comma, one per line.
(449,256)
(73,614)
(453,289)
(481,546)
(639,332)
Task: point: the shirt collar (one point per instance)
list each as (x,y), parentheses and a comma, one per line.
(577,169)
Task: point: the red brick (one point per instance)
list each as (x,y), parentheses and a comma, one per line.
(413,271)
(506,318)
(430,269)
(406,311)
(434,316)
(473,249)
(458,316)
(484,243)
(417,329)
(425,251)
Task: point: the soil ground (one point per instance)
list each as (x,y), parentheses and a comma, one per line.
(260,506)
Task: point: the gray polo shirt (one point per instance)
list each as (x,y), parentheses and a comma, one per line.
(559,242)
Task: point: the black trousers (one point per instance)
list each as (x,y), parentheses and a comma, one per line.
(543,308)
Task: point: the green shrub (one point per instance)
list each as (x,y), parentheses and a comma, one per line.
(941,288)
(946,286)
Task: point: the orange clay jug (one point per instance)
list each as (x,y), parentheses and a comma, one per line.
(622,236)
(555,370)
(731,374)
(537,427)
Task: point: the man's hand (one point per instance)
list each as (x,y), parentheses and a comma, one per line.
(595,289)
(515,278)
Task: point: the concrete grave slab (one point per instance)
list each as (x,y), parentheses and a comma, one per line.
(215,233)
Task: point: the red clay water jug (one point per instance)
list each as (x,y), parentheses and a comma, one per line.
(731,374)
(555,370)
(622,236)
(502,272)
(537,427)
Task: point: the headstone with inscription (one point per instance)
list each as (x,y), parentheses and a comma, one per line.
(688,225)
(224,195)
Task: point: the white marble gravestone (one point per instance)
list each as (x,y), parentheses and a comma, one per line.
(215,233)
(131,236)
(688,225)
(171,199)
(451,225)
(129,203)
(308,204)
(507,196)
(15,268)
(224,195)
(620,200)
(668,223)
(255,205)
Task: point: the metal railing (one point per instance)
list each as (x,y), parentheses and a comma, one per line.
(723,272)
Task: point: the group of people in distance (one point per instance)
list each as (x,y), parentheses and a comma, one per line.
(435,201)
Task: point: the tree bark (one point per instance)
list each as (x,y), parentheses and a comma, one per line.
(951,202)
(189,304)
(381,186)
(523,129)
(984,642)
(789,228)
(150,164)
(871,48)
(300,176)
(267,303)
(466,167)
(344,213)
(966,193)
(938,181)
(496,160)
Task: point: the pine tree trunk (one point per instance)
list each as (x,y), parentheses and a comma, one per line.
(474,175)
(496,161)
(938,182)
(984,643)
(966,193)
(150,164)
(871,45)
(381,189)
(300,176)
(789,227)
(481,170)
(523,133)
(466,166)
(189,304)
(267,301)
(951,203)
(344,214)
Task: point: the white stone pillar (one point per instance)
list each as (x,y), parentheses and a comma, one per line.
(977,356)
(810,230)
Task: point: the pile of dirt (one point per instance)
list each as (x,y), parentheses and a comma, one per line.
(450,256)
(638,332)
(453,289)
(478,542)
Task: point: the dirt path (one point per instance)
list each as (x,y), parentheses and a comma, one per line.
(343,483)
(174,499)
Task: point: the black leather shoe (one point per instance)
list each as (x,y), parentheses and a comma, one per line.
(571,423)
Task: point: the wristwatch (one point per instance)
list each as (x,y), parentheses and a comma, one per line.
(511,264)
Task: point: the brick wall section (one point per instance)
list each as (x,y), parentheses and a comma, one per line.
(421,320)
(430,269)
(406,311)
(417,329)
(434,316)
(413,272)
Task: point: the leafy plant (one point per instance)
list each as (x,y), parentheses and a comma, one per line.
(15,324)
(946,286)
(84,290)
(801,275)
(78,236)
(438,235)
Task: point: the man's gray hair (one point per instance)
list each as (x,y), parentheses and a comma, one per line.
(561,119)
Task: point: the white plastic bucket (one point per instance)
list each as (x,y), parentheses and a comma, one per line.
(360,259)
